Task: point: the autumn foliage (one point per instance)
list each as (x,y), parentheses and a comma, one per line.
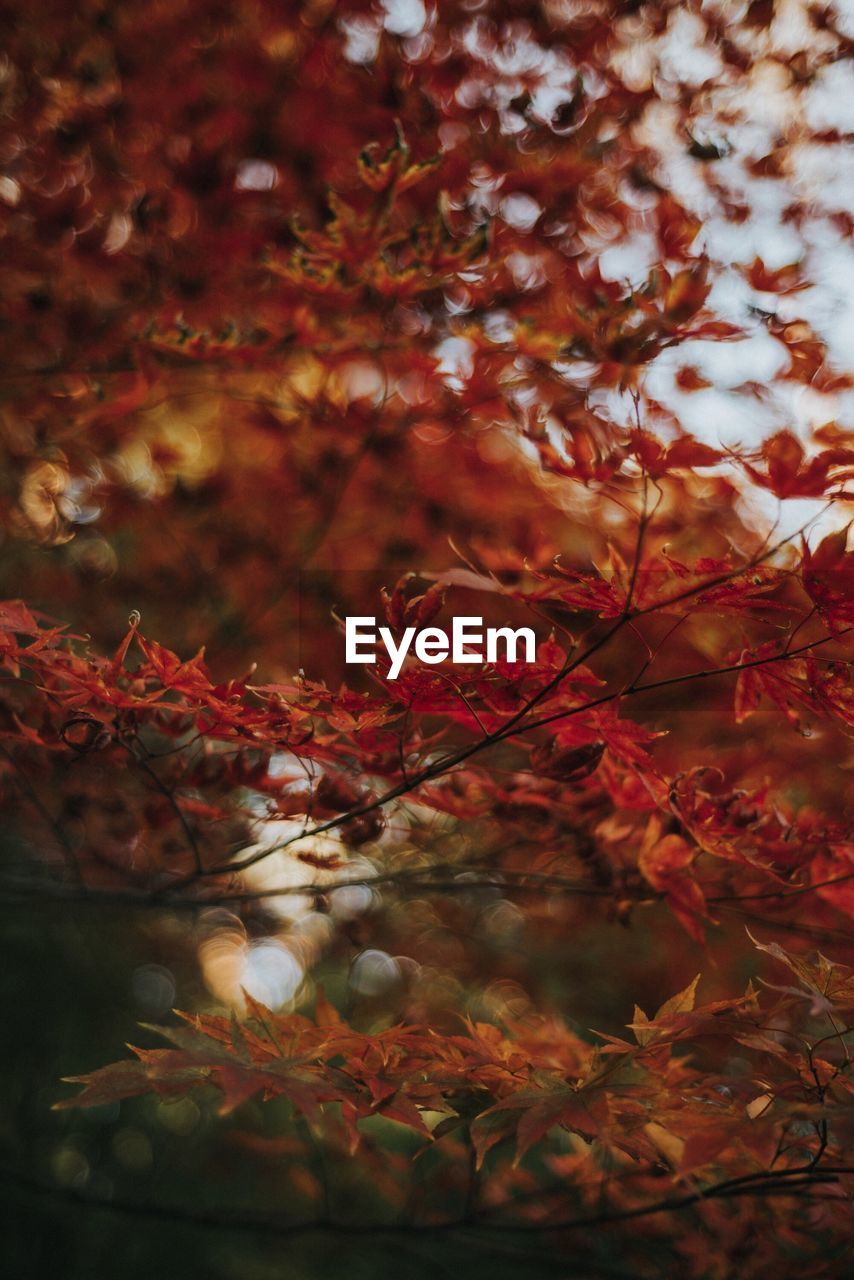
(420,309)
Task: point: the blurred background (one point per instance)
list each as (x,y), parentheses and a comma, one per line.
(219,410)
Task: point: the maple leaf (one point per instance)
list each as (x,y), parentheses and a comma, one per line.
(827,985)
(832,873)
(828,576)
(665,862)
(789,475)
